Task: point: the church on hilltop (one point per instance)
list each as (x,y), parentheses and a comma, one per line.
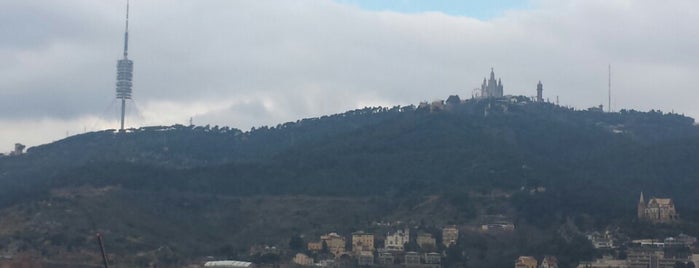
(657,210)
(491,88)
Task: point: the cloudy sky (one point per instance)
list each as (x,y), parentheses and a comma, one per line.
(263,62)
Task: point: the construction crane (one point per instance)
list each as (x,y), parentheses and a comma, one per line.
(104,255)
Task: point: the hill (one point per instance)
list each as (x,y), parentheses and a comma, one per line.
(198,190)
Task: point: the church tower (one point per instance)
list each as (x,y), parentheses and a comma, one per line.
(641,208)
(492,88)
(539,92)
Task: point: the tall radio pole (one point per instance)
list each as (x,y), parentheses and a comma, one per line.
(609,93)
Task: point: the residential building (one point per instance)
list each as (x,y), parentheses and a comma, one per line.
(386,258)
(433,258)
(450,235)
(335,243)
(657,210)
(315,246)
(229,264)
(412,258)
(604,262)
(362,241)
(365,258)
(426,241)
(396,241)
(601,241)
(303,259)
(526,262)
(681,240)
(498,227)
(549,262)
(654,257)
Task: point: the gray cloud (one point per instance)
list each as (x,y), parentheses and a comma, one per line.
(246,63)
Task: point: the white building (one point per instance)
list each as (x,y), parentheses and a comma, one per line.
(396,241)
(229,264)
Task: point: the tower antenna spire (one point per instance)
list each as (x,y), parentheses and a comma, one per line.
(609,93)
(126,32)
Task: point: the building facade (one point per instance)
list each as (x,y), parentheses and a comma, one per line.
(396,241)
(492,88)
(526,262)
(335,243)
(303,259)
(362,241)
(657,210)
(549,262)
(450,235)
(426,241)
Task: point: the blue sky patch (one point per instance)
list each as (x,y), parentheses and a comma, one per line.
(469,8)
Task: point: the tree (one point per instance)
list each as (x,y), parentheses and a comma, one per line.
(297,243)
(325,248)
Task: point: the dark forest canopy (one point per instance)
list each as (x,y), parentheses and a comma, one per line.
(476,145)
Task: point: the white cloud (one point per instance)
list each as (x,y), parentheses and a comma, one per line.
(263,62)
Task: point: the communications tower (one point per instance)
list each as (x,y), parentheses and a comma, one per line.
(124,73)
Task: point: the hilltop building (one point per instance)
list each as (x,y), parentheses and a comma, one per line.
(450,235)
(229,264)
(492,88)
(19,149)
(365,258)
(386,258)
(426,241)
(657,210)
(526,262)
(396,241)
(335,243)
(362,241)
(539,92)
(303,259)
(549,262)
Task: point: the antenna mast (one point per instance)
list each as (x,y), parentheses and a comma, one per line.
(126,32)
(124,73)
(609,94)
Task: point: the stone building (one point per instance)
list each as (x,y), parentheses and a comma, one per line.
(491,88)
(657,210)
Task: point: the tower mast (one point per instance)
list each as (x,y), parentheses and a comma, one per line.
(609,93)
(124,73)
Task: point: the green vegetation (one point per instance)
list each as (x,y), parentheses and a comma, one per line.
(186,186)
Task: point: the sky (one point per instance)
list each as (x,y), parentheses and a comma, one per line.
(251,63)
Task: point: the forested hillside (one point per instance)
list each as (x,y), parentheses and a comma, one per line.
(590,163)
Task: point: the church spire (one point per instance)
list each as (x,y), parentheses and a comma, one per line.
(641,208)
